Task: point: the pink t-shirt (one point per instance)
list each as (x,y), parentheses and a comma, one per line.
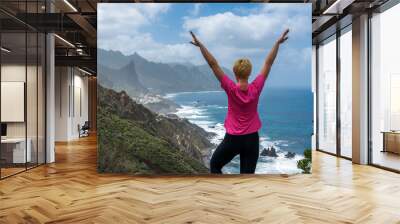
(242,117)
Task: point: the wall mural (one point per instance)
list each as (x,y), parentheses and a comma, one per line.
(200,88)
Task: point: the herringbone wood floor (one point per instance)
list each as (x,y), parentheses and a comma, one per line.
(71,191)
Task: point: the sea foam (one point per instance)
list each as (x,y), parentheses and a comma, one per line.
(201,116)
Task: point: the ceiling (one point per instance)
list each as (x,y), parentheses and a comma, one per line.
(331,15)
(75,22)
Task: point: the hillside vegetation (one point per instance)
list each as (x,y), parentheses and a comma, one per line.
(132,139)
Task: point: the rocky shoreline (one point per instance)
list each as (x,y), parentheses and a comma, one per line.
(185,140)
(272,152)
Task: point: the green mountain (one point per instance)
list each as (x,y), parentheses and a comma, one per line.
(133,139)
(126,79)
(161,78)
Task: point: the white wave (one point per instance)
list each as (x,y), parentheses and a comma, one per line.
(190,110)
(186,110)
(172,95)
(266,165)
(219,130)
(216,106)
(279,165)
(269,165)
(199,117)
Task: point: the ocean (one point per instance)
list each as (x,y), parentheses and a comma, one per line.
(286,116)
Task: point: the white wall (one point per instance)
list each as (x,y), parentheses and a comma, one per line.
(314,91)
(327,96)
(17,73)
(81,89)
(346,77)
(33,126)
(385,71)
(13,73)
(71,94)
(62,82)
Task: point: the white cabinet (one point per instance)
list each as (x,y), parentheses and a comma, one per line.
(19,155)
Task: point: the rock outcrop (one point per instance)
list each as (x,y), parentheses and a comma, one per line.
(290,155)
(270,151)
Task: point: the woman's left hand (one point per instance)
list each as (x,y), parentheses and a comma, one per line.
(283,37)
(195,41)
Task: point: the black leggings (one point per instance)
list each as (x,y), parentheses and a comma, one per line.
(247,146)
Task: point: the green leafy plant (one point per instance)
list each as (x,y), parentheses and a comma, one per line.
(305,164)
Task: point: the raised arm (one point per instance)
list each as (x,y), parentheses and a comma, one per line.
(212,62)
(269,61)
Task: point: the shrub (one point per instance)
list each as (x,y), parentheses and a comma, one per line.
(305,164)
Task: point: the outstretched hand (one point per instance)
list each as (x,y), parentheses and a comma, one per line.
(195,41)
(212,62)
(283,37)
(272,54)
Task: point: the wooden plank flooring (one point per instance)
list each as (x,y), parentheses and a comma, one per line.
(71,191)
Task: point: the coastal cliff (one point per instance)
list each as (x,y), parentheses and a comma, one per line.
(135,140)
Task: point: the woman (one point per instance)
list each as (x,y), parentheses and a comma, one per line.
(242,121)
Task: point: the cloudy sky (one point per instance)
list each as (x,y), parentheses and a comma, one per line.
(159,32)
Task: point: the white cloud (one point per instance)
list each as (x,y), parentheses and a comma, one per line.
(231,35)
(285,8)
(301,57)
(115,19)
(228,35)
(196,9)
(119,28)
(230,27)
(146,46)
(152,9)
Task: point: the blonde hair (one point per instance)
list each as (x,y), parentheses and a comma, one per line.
(242,68)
